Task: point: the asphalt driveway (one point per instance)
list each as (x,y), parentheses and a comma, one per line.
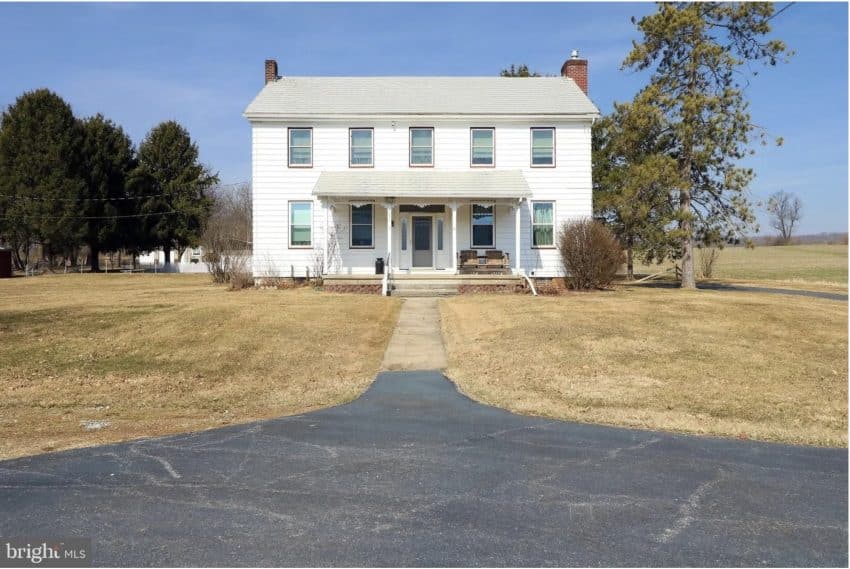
(413,473)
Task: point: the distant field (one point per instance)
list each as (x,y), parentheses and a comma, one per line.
(815,264)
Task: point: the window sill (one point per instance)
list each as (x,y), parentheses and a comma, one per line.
(301,166)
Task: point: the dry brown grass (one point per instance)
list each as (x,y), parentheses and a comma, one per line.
(157,354)
(747,365)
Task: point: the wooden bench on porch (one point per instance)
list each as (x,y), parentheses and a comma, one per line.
(492,261)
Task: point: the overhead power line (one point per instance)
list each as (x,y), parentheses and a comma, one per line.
(126,198)
(91,217)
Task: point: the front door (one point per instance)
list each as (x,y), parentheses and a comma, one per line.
(423,254)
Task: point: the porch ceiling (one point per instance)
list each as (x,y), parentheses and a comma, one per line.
(487,184)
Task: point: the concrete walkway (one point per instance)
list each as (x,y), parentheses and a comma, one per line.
(417,342)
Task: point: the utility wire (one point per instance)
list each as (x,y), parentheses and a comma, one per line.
(83,199)
(90,217)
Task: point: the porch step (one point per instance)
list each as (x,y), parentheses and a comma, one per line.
(423,292)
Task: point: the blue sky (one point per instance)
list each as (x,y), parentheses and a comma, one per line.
(202,63)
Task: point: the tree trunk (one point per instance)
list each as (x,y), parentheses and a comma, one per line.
(94,254)
(688,280)
(630,265)
(167,252)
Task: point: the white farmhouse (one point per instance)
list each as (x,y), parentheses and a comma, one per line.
(433,175)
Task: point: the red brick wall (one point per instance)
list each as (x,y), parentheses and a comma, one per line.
(576,69)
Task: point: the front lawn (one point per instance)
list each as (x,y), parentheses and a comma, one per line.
(736,364)
(157,354)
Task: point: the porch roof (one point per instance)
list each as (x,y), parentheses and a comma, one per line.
(488,184)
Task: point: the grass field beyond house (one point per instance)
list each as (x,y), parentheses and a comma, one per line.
(792,264)
(736,364)
(156,354)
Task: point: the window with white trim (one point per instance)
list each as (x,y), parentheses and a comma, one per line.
(542,147)
(404,234)
(361,145)
(482,146)
(483,226)
(300,147)
(362,226)
(439,235)
(300,224)
(543,224)
(422,146)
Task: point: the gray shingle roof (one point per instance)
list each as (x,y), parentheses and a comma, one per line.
(328,96)
(489,184)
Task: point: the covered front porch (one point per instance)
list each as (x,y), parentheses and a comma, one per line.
(438,223)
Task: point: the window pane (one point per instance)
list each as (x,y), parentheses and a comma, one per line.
(361,156)
(299,137)
(361,214)
(421,156)
(361,235)
(300,213)
(299,155)
(541,138)
(482,214)
(482,155)
(361,138)
(543,236)
(404,235)
(543,213)
(482,137)
(300,236)
(421,137)
(439,234)
(482,235)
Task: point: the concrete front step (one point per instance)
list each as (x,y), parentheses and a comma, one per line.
(423,292)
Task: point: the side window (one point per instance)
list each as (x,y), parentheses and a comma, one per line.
(422,146)
(362,226)
(482,147)
(300,224)
(439,235)
(300,147)
(542,147)
(404,234)
(361,142)
(543,224)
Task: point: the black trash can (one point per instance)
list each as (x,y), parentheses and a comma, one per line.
(379,266)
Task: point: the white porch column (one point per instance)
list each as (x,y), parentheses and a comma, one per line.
(327,266)
(389,207)
(454,206)
(517,236)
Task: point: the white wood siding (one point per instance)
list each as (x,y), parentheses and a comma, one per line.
(568,184)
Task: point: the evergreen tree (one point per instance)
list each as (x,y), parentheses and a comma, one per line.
(170,172)
(521,70)
(698,51)
(108,158)
(40,175)
(633,175)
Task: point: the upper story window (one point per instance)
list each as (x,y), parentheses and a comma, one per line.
(300,224)
(483,226)
(542,147)
(422,146)
(300,147)
(362,226)
(361,145)
(482,147)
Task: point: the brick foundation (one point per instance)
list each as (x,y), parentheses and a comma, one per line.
(491,289)
(353,288)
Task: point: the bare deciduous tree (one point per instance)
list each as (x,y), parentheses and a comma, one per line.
(227,237)
(785,211)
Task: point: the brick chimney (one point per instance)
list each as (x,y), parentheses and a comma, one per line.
(576,69)
(271,71)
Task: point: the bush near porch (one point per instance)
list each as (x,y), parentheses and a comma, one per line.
(735,364)
(159,354)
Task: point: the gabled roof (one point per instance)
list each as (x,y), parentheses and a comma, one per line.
(329,96)
(489,184)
